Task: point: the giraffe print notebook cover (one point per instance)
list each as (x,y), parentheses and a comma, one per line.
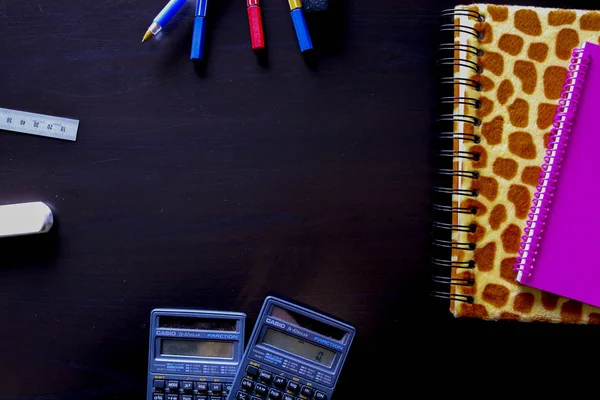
(512,61)
(547,260)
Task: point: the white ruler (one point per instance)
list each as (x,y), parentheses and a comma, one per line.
(38,124)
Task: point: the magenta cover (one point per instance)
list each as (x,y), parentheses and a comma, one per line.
(559,249)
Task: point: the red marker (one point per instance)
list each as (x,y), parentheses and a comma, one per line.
(256,26)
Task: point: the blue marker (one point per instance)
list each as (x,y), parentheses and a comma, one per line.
(300,25)
(199,31)
(163,18)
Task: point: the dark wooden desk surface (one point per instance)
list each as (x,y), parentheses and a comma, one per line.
(213,187)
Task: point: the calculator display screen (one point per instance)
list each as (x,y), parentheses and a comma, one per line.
(194,348)
(304,321)
(299,347)
(204,324)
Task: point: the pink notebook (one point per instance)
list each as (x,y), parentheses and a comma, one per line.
(560,249)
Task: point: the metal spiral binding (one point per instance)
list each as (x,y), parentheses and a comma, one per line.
(440,227)
(559,137)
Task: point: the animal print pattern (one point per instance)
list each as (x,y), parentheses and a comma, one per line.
(526,53)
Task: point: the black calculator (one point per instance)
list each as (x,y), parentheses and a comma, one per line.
(194,354)
(294,353)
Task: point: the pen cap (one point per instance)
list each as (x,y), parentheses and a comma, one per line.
(198,35)
(257,35)
(301,30)
(25,219)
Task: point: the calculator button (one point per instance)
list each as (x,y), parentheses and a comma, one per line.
(228,387)
(172,385)
(158,396)
(306,391)
(242,396)
(266,376)
(187,397)
(252,371)
(187,385)
(279,381)
(293,386)
(247,384)
(200,398)
(216,387)
(172,397)
(201,386)
(215,397)
(320,396)
(159,383)
(288,397)
(275,394)
(261,389)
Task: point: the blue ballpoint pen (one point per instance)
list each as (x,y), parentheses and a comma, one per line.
(199,30)
(163,18)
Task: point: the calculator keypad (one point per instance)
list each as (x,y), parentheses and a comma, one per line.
(172,389)
(260,384)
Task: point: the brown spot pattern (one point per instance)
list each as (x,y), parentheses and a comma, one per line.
(473,311)
(498,13)
(518,112)
(476,236)
(523,302)
(561,17)
(486,30)
(527,21)
(566,40)
(466,275)
(526,72)
(496,295)
(590,21)
(571,311)
(482,162)
(554,80)
(519,195)
(512,44)
(456,94)
(486,107)
(505,91)
(531,175)
(538,51)
(470,203)
(468,128)
(484,257)
(492,131)
(545,115)
(487,187)
(511,238)
(497,216)
(509,316)
(594,319)
(546,139)
(549,301)
(521,144)
(492,62)
(486,83)
(505,167)
(507,269)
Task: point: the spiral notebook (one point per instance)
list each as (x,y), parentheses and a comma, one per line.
(506,68)
(558,250)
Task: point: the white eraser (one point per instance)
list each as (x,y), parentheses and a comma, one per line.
(25,219)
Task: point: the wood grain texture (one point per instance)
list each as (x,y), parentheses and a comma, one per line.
(212,187)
